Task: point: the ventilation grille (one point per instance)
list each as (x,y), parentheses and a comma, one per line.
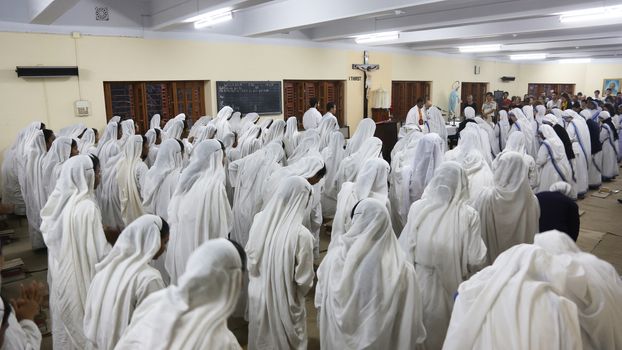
(102,14)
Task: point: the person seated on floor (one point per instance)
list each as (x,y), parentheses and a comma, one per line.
(558,211)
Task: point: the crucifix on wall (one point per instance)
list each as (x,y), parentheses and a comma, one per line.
(366,67)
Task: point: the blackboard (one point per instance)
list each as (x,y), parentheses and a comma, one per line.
(262,97)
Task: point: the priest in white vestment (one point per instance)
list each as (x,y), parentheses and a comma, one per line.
(199,210)
(280,265)
(509,211)
(193,313)
(368,295)
(73,232)
(123,280)
(443,240)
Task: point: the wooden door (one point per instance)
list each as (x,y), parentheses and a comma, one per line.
(404,95)
(478,90)
(296,95)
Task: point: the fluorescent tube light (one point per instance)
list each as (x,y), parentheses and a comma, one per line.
(528,56)
(575,60)
(210,18)
(480,48)
(376,37)
(593,14)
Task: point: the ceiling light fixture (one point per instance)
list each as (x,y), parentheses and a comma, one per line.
(528,56)
(210,18)
(593,14)
(480,48)
(376,37)
(575,60)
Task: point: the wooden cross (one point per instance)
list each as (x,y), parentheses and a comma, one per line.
(365,67)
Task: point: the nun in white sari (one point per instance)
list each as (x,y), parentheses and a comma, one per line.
(280,265)
(161,180)
(509,212)
(609,166)
(371,183)
(199,210)
(443,240)
(435,123)
(108,146)
(86,144)
(290,139)
(579,135)
(521,123)
(402,159)
(328,125)
(502,129)
(34,186)
(428,156)
(130,173)
(332,154)
(191,314)
(73,232)
(552,162)
(123,279)
(368,295)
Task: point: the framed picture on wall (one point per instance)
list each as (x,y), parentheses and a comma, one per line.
(613,84)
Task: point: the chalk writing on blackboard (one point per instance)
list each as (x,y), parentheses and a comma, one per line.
(262,97)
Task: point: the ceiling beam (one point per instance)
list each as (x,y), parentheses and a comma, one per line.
(517,26)
(48,11)
(283,16)
(461,14)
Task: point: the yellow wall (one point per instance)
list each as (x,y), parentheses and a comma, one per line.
(122,58)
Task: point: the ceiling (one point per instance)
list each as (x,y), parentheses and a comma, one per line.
(425,26)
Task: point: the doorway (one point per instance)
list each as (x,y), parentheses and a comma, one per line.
(404,95)
(477,90)
(296,95)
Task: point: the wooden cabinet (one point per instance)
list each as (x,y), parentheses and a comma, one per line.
(296,95)
(404,95)
(140,100)
(380,114)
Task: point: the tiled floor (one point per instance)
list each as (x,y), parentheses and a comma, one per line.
(601,234)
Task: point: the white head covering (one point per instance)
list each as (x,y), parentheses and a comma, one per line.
(34,189)
(551,138)
(528,111)
(327,126)
(276,132)
(360,300)
(503,126)
(161,180)
(155,121)
(53,161)
(332,154)
(550,119)
(291,135)
(191,314)
(540,112)
(308,144)
(129,194)
(306,168)
(364,131)
(469,113)
(175,129)
(224,113)
(108,146)
(114,290)
(372,182)
(350,166)
(436,123)
(429,156)
(86,143)
(562,187)
(72,230)
(199,209)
